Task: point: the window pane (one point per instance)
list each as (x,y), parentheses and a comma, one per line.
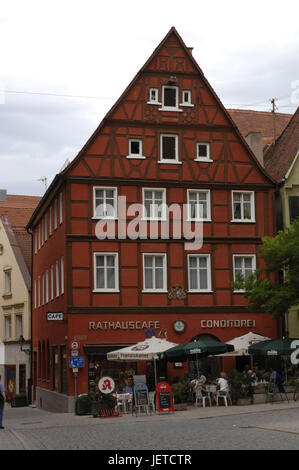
(159,278)
(202,150)
(247,211)
(148,261)
(168,148)
(100,260)
(203,279)
(193,262)
(100,283)
(110,260)
(110,278)
(193,279)
(148,278)
(202,262)
(238,263)
(237,210)
(170,97)
(134,147)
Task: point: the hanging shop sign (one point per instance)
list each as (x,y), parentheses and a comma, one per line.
(54,316)
(106,385)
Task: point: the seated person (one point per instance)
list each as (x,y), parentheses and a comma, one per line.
(129,388)
(222,384)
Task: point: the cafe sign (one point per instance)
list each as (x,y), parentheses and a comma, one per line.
(123,325)
(54,316)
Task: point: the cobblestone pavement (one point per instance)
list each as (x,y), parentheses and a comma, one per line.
(265,426)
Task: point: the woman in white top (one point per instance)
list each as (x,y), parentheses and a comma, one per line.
(222,383)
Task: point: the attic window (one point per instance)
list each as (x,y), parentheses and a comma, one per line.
(170,98)
(1,249)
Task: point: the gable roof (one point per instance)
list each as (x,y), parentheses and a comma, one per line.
(18,210)
(280,156)
(248,120)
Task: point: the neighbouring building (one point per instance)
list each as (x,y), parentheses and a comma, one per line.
(15,294)
(282,163)
(167,140)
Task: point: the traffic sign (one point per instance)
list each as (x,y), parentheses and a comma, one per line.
(76,361)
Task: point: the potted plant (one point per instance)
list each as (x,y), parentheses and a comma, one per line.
(84,402)
(19,400)
(180,395)
(241,388)
(108,401)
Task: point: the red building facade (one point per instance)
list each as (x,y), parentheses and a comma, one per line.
(167,141)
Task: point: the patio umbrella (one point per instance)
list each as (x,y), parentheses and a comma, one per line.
(242,343)
(147,350)
(196,349)
(273,347)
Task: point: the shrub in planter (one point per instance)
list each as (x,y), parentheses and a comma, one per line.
(240,385)
(180,392)
(19,400)
(83,403)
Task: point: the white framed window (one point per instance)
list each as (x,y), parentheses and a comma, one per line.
(39,237)
(47,287)
(153,96)
(154,272)
(106,272)
(199,273)
(7,282)
(52,282)
(169,148)
(57,279)
(203,153)
(7,327)
(105,202)
(243,206)
(35,240)
(35,295)
(50,221)
(170,98)
(186,98)
(55,214)
(19,325)
(60,209)
(135,149)
(154,204)
(46,227)
(42,224)
(43,289)
(243,265)
(199,204)
(38,292)
(62,274)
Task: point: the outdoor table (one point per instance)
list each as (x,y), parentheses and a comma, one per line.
(124,399)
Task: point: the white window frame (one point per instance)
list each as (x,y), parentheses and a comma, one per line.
(46,227)
(8,327)
(208,202)
(209,274)
(35,240)
(171,108)
(43,289)
(55,214)
(116,272)
(252,205)
(60,209)
(47,286)
(62,275)
(52,282)
(104,188)
(50,221)
(154,290)
(203,159)
(163,213)
(156,101)
(38,292)
(35,295)
(19,325)
(138,156)
(165,160)
(57,278)
(7,281)
(243,255)
(187,103)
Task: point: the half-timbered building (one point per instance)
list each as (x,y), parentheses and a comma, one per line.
(108,274)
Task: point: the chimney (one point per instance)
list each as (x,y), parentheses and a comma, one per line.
(254,140)
(3,193)
(191,50)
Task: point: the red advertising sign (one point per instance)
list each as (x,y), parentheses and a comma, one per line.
(164,397)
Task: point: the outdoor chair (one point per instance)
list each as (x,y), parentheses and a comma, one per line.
(199,397)
(225,396)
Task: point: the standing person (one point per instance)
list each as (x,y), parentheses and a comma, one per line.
(2,402)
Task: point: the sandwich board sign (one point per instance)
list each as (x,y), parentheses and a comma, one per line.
(164,397)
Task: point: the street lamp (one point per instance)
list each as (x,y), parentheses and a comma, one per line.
(21,342)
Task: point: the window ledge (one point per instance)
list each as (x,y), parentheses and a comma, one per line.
(187,105)
(157,103)
(204,160)
(7,296)
(171,162)
(154,291)
(105,291)
(104,218)
(199,220)
(175,110)
(137,157)
(200,291)
(240,221)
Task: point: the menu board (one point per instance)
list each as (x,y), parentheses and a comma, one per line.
(141,395)
(164,395)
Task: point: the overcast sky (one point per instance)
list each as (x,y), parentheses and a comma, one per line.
(92,49)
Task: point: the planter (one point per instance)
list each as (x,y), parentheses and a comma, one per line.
(18,401)
(180,406)
(82,408)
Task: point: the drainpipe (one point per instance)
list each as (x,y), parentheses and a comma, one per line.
(31,344)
